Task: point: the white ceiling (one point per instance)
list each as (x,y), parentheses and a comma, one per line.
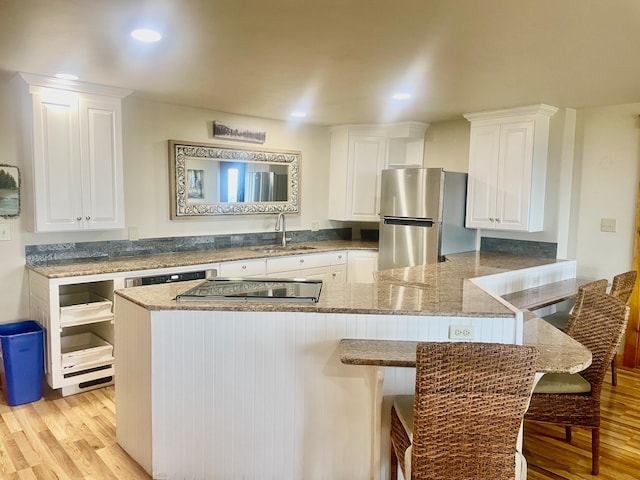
(338,59)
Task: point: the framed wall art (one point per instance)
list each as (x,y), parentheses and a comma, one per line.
(9,191)
(229,131)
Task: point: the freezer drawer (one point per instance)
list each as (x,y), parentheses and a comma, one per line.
(405,245)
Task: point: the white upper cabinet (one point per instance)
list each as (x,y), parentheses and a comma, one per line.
(74,135)
(507,168)
(358,154)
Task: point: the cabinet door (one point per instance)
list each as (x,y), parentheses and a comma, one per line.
(77,161)
(361,265)
(514,176)
(483,173)
(366,160)
(56,162)
(249,268)
(338,274)
(101,153)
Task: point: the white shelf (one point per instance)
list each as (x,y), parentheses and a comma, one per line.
(80,308)
(84,351)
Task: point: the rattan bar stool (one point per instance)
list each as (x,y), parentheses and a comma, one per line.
(573,400)
(561,318)
(621,288)
(464,419)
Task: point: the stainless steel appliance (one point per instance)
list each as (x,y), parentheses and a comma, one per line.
(169,278)
(266,187)
(422,214)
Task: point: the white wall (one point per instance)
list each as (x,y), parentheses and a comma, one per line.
(147,128)
(607,156)
(447,145)
(13,287)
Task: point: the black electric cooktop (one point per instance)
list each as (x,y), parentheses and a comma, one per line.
(254,289)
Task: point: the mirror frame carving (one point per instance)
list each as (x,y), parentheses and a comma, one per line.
(180,151)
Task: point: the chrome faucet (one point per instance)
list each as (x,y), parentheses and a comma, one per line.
(283,229)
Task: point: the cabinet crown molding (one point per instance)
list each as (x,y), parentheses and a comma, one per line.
(42,81)
(539,109)
(390,130)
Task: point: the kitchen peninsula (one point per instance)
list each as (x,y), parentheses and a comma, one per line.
(234,389)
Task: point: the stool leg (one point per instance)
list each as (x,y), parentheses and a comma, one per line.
(614,372)
(393,464)
(595,451)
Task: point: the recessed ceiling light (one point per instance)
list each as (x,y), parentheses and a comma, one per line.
(146,35)
(66,76)
(299,114)
(401,96)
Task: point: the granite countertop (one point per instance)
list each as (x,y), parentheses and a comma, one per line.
(559,353)
(179,259)
(441,289)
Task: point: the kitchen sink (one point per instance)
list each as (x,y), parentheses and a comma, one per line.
(279,248)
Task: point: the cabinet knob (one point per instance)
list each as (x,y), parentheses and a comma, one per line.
(78,218)
(244,267)
(302,260)
(497,220)
(87,218)
(339,257)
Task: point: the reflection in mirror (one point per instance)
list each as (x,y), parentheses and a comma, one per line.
(221,180)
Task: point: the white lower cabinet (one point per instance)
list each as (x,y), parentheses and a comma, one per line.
(361,266)
(328,267)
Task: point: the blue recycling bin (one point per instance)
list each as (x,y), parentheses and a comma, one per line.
(22,366)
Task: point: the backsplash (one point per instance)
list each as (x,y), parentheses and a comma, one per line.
(92,251)
(525,248)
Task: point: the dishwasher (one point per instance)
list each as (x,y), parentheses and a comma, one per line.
(170,278)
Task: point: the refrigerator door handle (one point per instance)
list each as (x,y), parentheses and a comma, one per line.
(409,221)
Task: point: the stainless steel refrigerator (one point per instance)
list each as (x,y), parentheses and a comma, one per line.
(422,214)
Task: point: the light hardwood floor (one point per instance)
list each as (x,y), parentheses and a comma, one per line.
(550,457)
(64,438)
(74,438)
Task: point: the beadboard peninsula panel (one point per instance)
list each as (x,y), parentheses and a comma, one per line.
(515,280)
(264,394)
(133,373)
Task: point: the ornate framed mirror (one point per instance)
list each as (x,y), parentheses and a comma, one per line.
(207,179)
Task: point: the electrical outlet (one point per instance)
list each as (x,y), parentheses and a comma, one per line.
(461,332)
(607,224)
(315,226)
(133,234)
(5,231)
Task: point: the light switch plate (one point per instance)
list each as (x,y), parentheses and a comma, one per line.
(5,231)
(607,224)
